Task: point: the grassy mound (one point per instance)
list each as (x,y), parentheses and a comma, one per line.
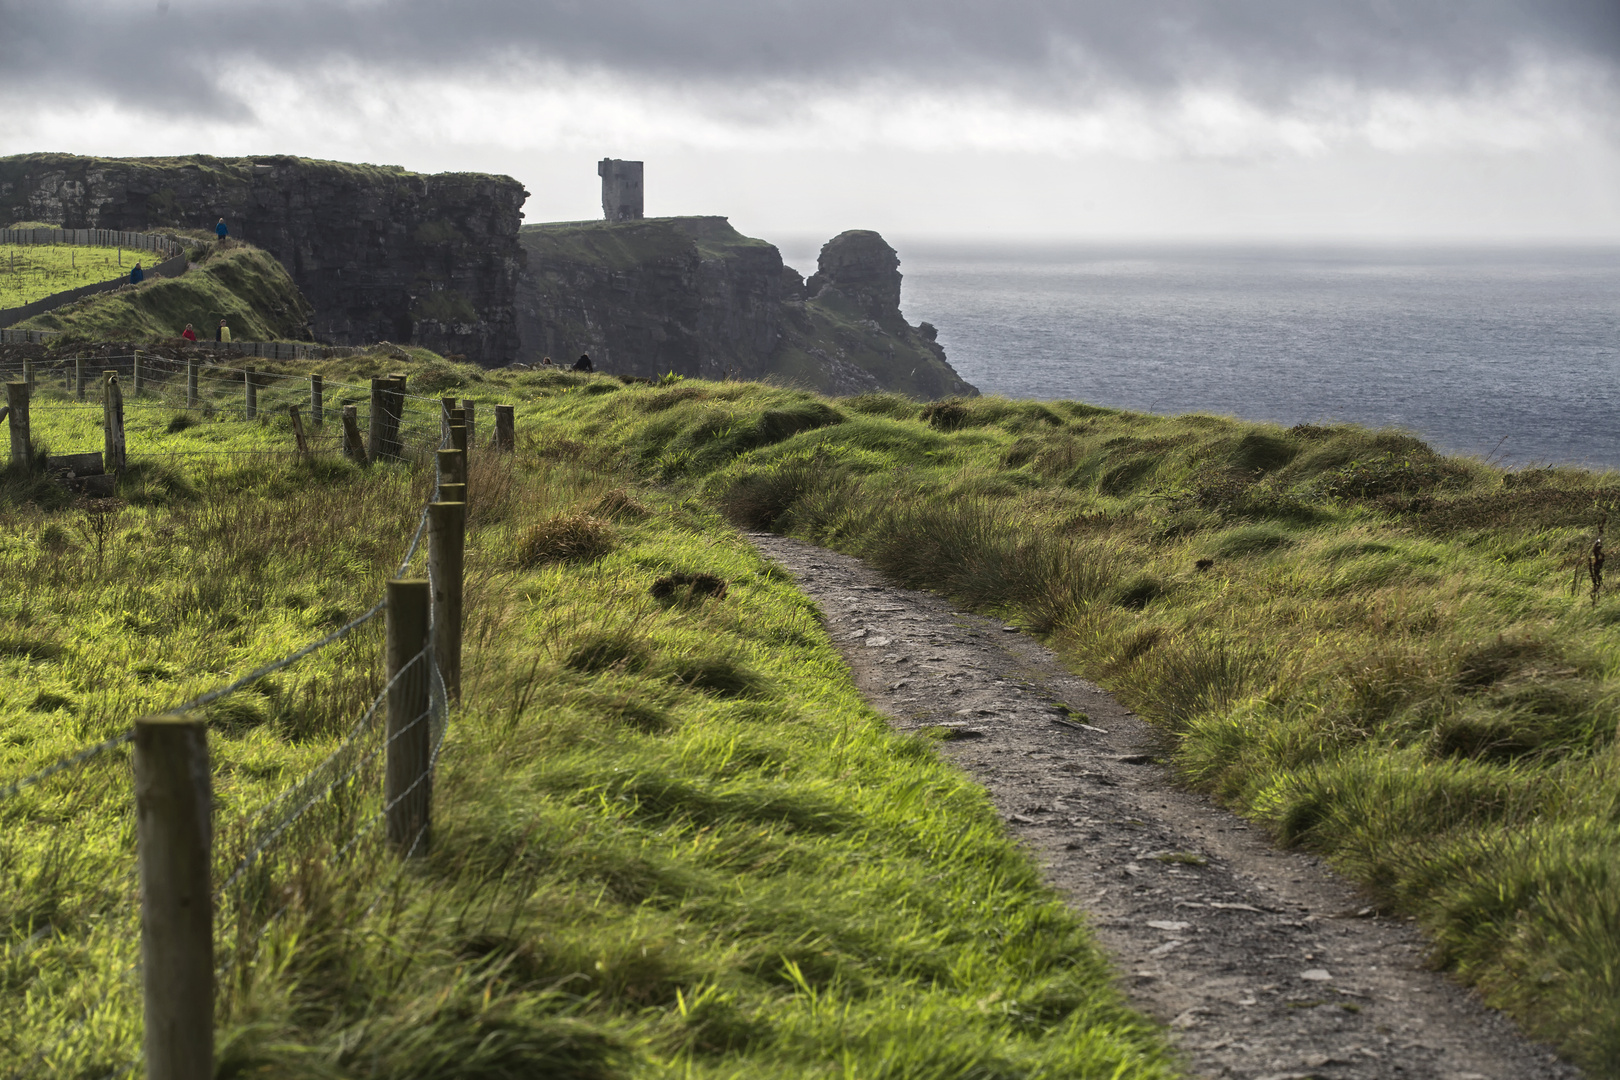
(240,284)
(670,840)
(1383,654)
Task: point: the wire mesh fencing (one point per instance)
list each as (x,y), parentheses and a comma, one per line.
(93,841)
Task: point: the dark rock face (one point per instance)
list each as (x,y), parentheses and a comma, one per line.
(381,253)
(696,297)
(862,266)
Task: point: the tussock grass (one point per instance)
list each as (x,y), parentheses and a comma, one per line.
(670,840)
(1369,647)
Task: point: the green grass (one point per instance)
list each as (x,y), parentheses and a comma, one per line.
(1380,653)
(238,283)
(30,272)
(670,838)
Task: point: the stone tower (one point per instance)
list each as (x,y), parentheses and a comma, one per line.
(621,189)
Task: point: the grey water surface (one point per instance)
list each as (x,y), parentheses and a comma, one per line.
(1511,352)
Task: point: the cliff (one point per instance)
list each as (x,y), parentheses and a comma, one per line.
(380,253)
(694,296)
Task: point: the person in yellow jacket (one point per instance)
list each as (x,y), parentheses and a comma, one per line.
(224,332)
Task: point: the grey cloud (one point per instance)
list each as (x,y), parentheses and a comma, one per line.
(179,60)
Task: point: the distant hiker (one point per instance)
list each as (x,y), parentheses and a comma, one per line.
(545,361)
(137,275)
(223,333)
(220,230)
(188,333)
(583,363)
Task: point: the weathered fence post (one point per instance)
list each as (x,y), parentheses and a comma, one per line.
(354,447)
(250,384)
(112,421)
(22,450)
(78,377)
(298,431)
(452,467)
(447,545)
(505,429)
(375,426)
(317,404)
(409,788)
(468,409)
(458,430)
(135,374)
(174,835)
(456,493)
(191,384)
(445,406)
(28,373)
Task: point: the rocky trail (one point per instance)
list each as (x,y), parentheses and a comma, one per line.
(1264,964)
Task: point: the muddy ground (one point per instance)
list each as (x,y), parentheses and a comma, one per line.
(1264,964)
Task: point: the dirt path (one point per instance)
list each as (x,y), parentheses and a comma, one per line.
(1263,963)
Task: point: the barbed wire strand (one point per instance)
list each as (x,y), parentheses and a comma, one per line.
(68,762)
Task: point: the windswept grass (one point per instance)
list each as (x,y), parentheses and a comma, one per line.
(1383,654)
(670,840)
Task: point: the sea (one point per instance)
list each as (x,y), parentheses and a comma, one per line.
(1508,354)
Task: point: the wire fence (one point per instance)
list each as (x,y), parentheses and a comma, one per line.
(381,770)
(172,407)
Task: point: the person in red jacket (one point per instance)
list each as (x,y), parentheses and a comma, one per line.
(188,333)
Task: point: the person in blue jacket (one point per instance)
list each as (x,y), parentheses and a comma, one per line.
(220,230)
(137,275)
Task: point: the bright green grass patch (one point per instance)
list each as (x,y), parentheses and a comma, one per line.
(670,839)
(1383,654)
(30,272)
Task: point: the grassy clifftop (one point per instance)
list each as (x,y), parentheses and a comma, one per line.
(239,283)
(1383,654)
(670,840)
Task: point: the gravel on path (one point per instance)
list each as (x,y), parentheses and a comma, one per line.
(1264,964)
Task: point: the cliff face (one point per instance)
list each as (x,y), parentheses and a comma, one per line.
(696,297)
(381,253)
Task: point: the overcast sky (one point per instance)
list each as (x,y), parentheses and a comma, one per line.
(1488,120)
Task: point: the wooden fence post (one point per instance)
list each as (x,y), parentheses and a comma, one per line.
(396,417)
(445,406)
(505,429)
(78,377)
(298,431)
(251,388)
(22,451)
(112,422)
(135,374)
(452,467)
(456,493)
(174,834)
(409,787)
(191,384)
(28,372)
(317,395)
(458,429)
(375,426)
(447,546)
(354,447)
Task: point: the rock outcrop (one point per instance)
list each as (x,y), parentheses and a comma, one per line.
(695,297)
(381,253)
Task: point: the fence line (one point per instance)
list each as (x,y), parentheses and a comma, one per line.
(173,787)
